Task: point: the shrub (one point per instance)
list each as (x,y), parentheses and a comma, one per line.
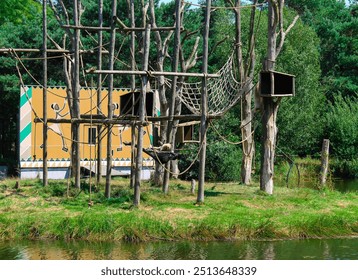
(342,126)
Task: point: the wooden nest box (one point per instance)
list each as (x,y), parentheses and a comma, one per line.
(276,84)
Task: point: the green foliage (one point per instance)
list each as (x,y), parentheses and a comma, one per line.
(342,127)
(17,11)
(301,118)
(223,162)
(337,28)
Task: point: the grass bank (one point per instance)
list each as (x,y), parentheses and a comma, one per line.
(231,211)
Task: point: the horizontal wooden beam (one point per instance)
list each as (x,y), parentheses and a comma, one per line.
(152,73)
(124,120)
(91,121)
(188,123)
(90,28)
(125,28)
(8,50)
(122,28)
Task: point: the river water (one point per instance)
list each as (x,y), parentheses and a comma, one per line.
(312,249)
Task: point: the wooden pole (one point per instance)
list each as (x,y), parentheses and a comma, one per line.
(75,127)
(44,56)
(133,66)
(170,136)
(110,101)
(99,92)
(324,161)
(204,106)
(142,101)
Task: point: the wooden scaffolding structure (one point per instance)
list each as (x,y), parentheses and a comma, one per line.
(134,121)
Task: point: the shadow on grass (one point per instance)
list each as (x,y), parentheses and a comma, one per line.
(210,193)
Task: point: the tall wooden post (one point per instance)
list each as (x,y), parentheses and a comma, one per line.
(170,131)
(45,128)
(99,92)
(204,106)
(110,100)
(270,108)
(142,101)
(75,127)
(324,161)
(133,68)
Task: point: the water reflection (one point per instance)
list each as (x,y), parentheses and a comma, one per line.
(323,249)
(346,185)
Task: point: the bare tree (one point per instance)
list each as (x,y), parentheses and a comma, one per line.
(162,45)
(72,72)
(246,73)
(270,105)
(162,41)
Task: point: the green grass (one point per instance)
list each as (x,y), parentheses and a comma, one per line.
(230,212)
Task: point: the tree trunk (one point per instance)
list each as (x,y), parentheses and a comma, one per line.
(268,145)
(246,73)
(248,146)
(174,164)
(162,54)
(159,170)
(170,132)
(270,108)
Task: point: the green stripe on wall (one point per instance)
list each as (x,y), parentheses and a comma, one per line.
(24,98)
(25,132)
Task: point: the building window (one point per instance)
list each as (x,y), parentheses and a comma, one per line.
(92,135)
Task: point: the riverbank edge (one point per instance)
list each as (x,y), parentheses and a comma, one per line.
(33,212)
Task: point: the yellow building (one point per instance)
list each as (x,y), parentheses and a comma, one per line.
(125,103)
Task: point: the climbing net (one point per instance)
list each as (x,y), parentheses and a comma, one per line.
(223,92)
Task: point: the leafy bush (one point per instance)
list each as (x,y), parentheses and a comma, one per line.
(342,126)
(223,162)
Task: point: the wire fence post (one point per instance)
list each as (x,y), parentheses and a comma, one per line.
(324,161)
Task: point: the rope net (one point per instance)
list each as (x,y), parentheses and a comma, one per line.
(223,92)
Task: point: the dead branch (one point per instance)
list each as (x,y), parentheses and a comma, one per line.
(193,58)
(58,16)
(283,35)
(218,44)
(187,34)
(251,57)
(276,10)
